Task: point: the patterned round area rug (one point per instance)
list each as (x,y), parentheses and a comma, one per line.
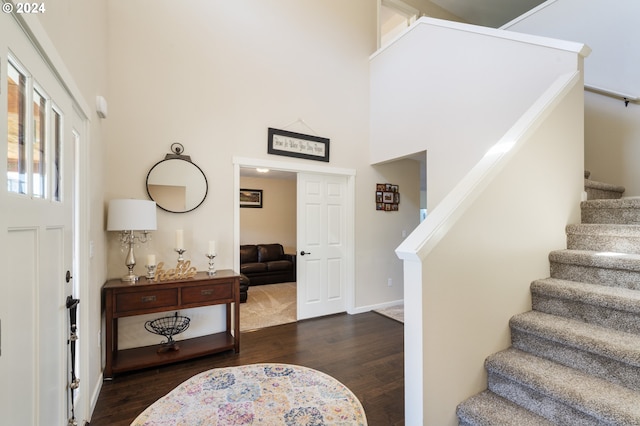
(259,394)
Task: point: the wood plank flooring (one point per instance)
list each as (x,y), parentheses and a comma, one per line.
(365,352)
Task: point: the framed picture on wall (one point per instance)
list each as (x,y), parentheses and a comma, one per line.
(387,197)
(298,145)
(251,198)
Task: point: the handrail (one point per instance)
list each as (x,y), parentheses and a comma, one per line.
(429,233)
(612,93)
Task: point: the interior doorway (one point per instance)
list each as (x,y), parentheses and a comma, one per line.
(293,169)
(268,219)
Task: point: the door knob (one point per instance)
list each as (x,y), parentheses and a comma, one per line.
(68,276)
(302,253)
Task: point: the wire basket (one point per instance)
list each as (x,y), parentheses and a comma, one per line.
(168,327)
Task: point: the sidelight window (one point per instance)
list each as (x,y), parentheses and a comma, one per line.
(34,140)
(56,173)
(38,146)
(16,154)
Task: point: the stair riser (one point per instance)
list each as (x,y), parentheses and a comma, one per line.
(487,408)
(600,194)
(623,216)
(538,402)
(612,370)
(627,322)
(595,275)
(629,245)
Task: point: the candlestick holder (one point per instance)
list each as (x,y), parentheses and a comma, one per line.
(180,252)
(212,267)
(151,271)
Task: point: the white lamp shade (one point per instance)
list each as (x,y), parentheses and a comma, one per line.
(131,215)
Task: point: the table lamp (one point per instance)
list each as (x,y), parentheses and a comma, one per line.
(128,216)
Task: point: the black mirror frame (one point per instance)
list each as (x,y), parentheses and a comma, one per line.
(182,158)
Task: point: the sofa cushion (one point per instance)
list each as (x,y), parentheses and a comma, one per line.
(253,267)
(279,265)
(270,252)
(248,253)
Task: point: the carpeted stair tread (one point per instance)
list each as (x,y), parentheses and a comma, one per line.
(602,352)
(613,230)
(603,186)
(602,341)
(596,259)
(602,191)
(604,237)
(621,211)
(487,408)
(618,298)
(622,203)
(567,393)
(605,268)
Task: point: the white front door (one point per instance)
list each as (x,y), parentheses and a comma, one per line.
(322,245)
(36,233)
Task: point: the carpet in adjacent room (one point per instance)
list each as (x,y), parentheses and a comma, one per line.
(268,305)
(394,312)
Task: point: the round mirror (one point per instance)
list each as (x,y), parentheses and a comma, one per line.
(177,185)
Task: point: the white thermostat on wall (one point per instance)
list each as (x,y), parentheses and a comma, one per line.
(101,106)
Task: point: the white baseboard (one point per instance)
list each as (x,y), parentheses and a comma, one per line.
(95,395)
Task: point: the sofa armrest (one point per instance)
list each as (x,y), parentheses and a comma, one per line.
(292,258)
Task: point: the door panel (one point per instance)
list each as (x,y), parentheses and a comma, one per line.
(321,236)
(51,324)
(35,251)
(19,337)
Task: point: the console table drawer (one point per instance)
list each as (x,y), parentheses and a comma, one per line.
(206,293)
(140,301)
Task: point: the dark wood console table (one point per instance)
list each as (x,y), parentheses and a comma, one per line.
(123,299)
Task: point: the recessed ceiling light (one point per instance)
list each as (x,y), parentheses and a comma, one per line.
(261,170)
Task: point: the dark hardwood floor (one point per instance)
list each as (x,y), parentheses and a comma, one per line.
(365,352)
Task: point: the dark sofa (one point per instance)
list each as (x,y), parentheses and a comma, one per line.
(267,264)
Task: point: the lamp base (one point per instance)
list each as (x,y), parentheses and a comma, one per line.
(130,238)
(130,277)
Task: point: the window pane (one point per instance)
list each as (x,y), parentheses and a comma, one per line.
(39,144)
(16,154)
(57,148)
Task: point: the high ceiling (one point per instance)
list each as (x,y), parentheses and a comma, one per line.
(488,13)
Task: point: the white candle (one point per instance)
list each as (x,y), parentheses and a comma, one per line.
(179,239)
(151,260)
(212,247)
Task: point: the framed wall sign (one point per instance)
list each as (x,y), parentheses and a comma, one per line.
(298,145)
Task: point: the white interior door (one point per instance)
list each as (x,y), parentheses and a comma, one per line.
(36,243)
(322,245)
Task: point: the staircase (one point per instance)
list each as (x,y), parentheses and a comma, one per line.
(575,358)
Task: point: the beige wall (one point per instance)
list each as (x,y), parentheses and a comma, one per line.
(479,273)
(612,131)
(446,112)
(226,72)
(275,222)
(612,141)
(214,75)
(223,74)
